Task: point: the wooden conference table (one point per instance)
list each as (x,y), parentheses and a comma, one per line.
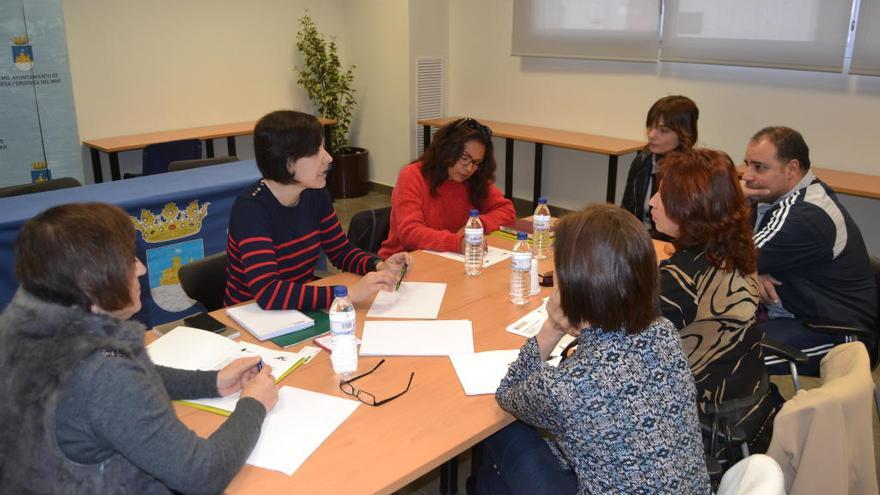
(113,145)
(382,449)
(611,146)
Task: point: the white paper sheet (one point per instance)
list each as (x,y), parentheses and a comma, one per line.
(412,300)
(481,372)
(556,353)
(493,255)
(417,338)
(297,425)
(529,325)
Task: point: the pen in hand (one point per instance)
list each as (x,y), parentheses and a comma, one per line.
(402,273)
(260,366)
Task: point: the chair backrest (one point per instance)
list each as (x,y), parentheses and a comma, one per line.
(369,228)
(757,474)
(158,156)
(201,162)
(46,185)
(205,280)
(822,438)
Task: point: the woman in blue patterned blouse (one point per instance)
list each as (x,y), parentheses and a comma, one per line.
(619,414)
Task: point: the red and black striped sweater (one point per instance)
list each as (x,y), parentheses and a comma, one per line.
(272,249)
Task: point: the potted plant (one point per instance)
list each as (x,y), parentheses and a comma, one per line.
(329,87)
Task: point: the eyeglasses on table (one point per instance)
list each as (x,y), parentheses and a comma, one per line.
(367,398)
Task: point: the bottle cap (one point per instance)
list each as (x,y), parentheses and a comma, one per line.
(542,201)
(522,236)
(475,213)
(340,291)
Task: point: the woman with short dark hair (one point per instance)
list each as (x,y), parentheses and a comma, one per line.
(84,410)
(280,225)
(671,125)
(433,196)
(621,411)
(708,288)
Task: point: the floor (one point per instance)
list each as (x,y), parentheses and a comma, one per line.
(430,483)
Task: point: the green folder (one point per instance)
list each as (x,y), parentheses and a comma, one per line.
(322,326)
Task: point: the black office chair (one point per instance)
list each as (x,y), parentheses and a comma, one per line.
(851,332)
(158,156)
(42,186)
(205,280)
(728,442)
(368,229)
(177,165)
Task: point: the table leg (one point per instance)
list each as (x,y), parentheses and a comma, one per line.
(209,148)
(426,137)
(539,156)
(230,145)
(97,174)
(328,138)
(114,166)
(611,190)
(508,168)
(449,477)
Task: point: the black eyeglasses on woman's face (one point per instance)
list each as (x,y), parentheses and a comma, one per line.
(366,397)
(474,124)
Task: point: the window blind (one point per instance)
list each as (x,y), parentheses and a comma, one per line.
(590,29)
(789,34)
(866,50)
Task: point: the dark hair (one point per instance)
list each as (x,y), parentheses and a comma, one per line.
(790,145)
(606,269)
(446,149)
(700,192)
(78,255)
(680,114)
(284,136)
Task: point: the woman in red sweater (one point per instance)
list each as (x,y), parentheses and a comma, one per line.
(432,197)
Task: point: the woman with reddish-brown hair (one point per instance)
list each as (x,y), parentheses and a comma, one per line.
(708,288)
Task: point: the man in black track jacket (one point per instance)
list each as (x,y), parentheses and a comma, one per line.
(812,260)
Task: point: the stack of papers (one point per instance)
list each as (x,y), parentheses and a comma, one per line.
(266,324)
(298,424)
(193,349)
(493,255)
(417,338)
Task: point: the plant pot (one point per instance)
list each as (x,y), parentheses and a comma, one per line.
(348,176)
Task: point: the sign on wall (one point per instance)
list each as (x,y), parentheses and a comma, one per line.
(38,134)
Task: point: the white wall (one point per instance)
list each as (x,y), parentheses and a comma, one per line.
(836,113)
(377,35)
(429,38)
(168,64)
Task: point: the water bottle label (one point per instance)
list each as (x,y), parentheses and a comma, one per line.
(473,236)
(541,222)
(522,261)
(342,323)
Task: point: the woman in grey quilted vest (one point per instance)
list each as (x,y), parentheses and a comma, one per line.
(84,410)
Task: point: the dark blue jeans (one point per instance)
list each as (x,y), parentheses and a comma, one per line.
(516,460)
(792,332)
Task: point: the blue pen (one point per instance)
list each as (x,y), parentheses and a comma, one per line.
(259,365)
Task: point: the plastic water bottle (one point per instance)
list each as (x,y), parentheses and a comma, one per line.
(473,244)
(342,325)
(520,266)
(541,229)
